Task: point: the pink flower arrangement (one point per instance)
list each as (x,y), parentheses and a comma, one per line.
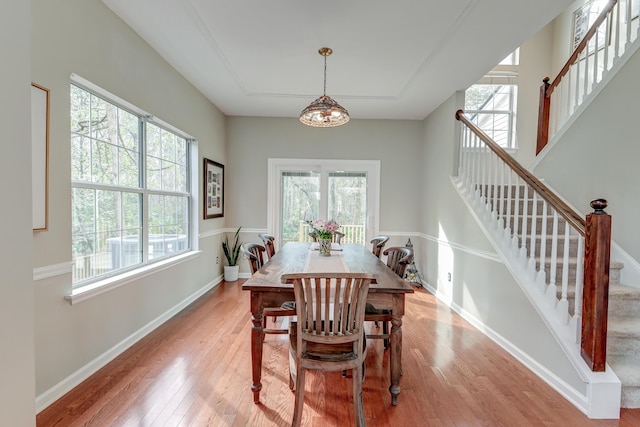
(322,229)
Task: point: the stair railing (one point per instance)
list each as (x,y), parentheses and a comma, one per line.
(597,52)
(560,258)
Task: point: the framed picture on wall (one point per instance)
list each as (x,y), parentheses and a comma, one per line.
(213,187)
(40,156)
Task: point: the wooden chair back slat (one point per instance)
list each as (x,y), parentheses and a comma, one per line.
(268,241)
(378,244)
(253,252)
(398,257)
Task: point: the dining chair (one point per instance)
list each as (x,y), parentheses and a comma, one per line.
(378,244)
(329,332)
(268,241)
(253,252)
(398,257)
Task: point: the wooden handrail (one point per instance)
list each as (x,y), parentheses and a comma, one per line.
(544,108)
(581,46)
(569,215)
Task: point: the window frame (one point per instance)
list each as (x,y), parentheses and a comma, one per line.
(275,166)
(501,76)
(117,277)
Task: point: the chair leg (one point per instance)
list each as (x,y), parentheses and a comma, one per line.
(385,331)
(292,371)
(264,326)
(358,406)
(299,401)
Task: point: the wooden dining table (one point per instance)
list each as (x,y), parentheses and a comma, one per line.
(386,292)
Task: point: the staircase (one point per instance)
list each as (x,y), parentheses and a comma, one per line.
(623,340)
(623,337)
(523,219)
(540,239)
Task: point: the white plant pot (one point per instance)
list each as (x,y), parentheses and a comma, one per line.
(231,273)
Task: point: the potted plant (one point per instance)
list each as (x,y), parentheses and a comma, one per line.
(232,253)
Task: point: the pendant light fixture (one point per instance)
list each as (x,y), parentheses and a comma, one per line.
(324,112)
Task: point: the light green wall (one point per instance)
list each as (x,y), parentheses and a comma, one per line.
(253,140)
(17,407)
(605,140)
(84,37)
(535,65)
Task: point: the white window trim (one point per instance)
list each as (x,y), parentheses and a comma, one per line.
(372,167)
(91,289)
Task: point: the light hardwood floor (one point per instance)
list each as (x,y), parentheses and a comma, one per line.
(195,370)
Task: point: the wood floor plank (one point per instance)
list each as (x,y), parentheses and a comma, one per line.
(195,370)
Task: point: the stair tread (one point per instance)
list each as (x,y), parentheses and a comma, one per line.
(623,326)
(627,368)
(623,291)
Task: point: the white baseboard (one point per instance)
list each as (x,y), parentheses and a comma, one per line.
(57,391)
(590,404)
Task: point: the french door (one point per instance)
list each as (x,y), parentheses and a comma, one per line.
(302,190)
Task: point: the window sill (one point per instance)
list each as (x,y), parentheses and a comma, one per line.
(91,290)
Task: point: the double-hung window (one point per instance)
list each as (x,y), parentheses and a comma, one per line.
(492,107)
(131,199)
(491,103)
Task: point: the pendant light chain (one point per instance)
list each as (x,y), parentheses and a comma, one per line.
(325,75)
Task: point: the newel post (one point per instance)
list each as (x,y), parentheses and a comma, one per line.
(595,302)
(544,108)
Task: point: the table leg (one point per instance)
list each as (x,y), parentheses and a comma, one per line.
(257,337)
(396,357)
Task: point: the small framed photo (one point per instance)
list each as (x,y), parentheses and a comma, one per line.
(40,156)
(213,186)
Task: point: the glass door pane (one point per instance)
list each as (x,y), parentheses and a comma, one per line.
(300,202)
(347,204)
(301,190)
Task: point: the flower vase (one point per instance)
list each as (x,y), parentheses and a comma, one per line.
(324,246)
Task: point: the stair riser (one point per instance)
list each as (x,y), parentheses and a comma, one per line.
(498,191)
(571,277)
(539,220)
(623,307)
(504,206)
(617,345)
(573,247)
(630,397)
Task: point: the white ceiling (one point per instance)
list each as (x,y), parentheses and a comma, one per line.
(391,59)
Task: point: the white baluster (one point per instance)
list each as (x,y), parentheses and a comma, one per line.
(542,275)
(577,311)
(501,208)
(562,308)
(628,24)
(553,269)
(525,223)
(516,216)
(509,207)
(532,246)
